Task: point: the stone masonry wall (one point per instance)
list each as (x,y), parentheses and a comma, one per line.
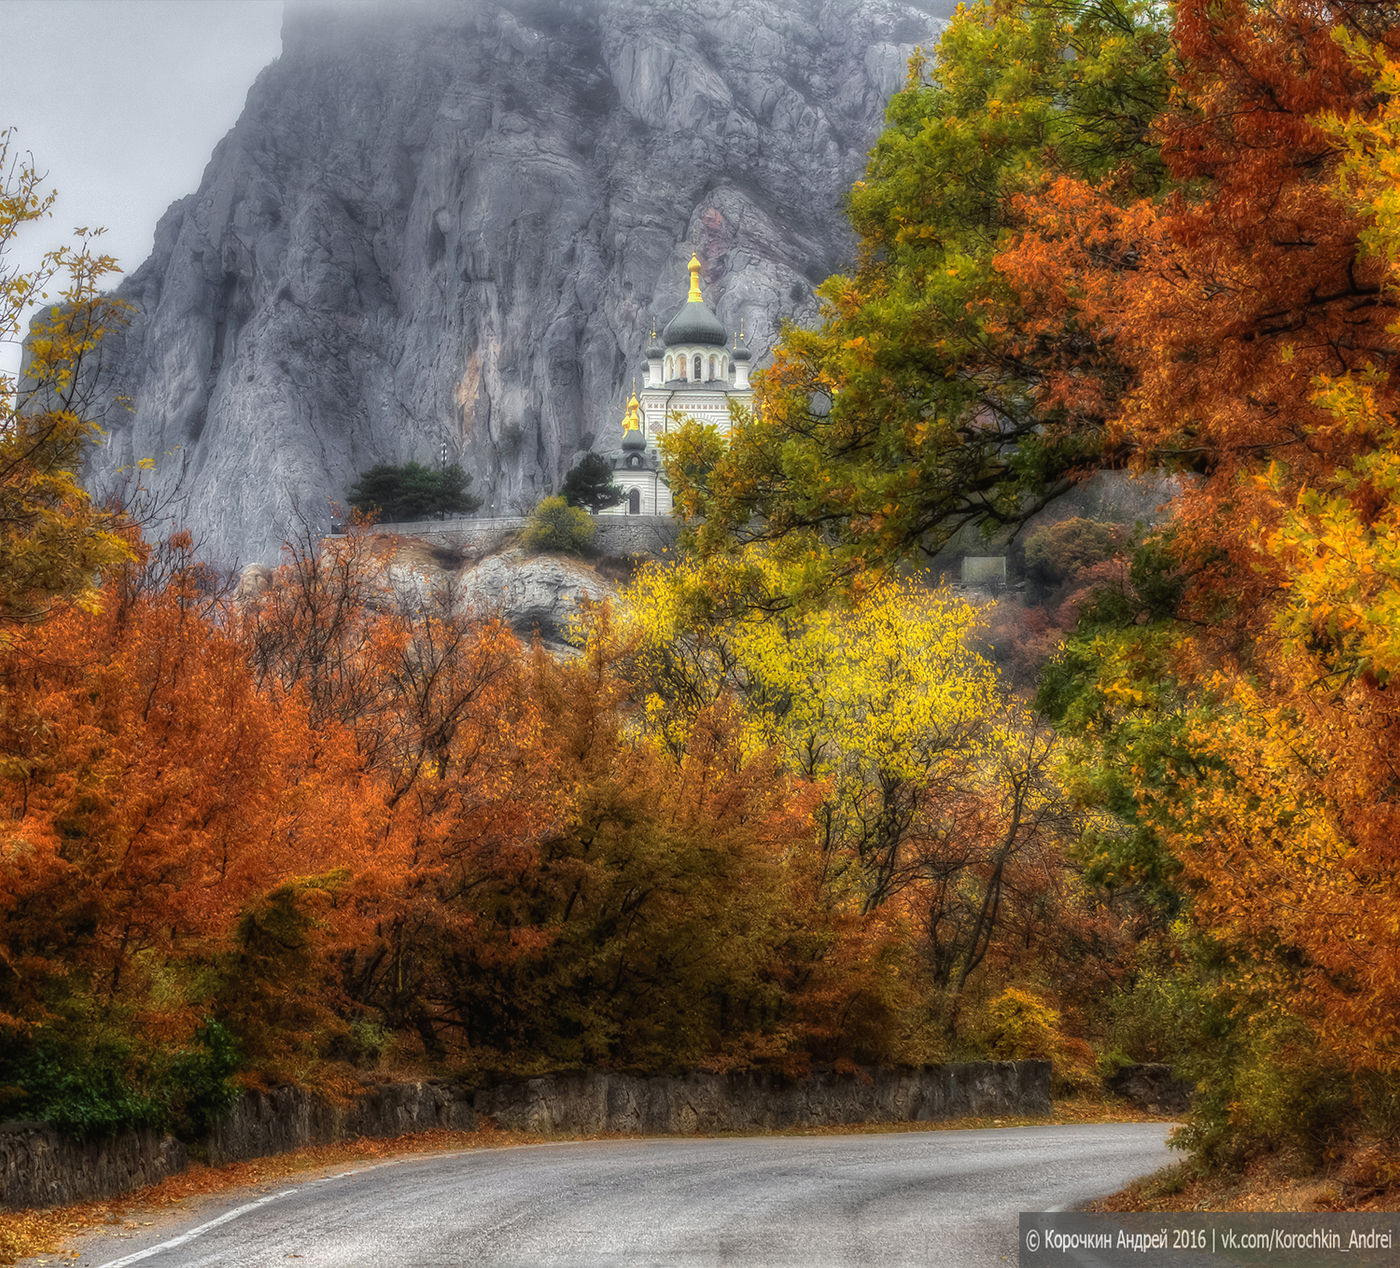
(699,1102)
(40,1168)
(614,534)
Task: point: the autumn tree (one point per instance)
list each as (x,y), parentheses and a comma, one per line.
(1232,720)
(937,805)
(154,796)
(914,409)
(53,542)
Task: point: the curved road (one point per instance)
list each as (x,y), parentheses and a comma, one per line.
(928,1198)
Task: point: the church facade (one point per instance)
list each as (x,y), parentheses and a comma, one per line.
(692,372)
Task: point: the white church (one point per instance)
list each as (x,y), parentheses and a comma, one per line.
(692,372)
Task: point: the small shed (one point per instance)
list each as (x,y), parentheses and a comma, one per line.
(984,570)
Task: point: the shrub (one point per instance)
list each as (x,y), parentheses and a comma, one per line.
(1264,1084)
(557,526)
(1017,1026)
(85,1084)
(1020,1027)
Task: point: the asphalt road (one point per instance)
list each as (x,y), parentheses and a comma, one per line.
(927,1198)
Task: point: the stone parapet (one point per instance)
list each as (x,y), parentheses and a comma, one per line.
(649,535)
(264,1123)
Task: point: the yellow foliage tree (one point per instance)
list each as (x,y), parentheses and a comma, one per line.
(937,804)
(53,541)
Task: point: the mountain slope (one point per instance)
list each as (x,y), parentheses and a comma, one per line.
(452,224)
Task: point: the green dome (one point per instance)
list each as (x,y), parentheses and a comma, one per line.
(695,323)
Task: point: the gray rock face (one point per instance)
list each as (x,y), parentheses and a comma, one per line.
(539,594)
(534,594)
(452,222)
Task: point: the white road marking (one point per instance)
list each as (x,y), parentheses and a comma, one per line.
(230,1215)
(196,1232)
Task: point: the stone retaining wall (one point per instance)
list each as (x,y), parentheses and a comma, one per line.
(701,1102)
(264,1123)
(40,1168)
(613,535)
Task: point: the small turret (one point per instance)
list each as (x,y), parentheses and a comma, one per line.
(741,356)
(656,355)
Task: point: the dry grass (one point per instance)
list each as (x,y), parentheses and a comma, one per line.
(45,1233)
(1365,1178)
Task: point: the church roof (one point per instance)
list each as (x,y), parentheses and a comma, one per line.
(696,322)
(632,435)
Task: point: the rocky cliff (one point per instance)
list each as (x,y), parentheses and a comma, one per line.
(452,223)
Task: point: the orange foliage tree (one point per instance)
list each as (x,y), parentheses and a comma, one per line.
(153,795)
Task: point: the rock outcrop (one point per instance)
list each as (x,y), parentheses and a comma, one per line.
(536,595)
(539,594)
(446,226)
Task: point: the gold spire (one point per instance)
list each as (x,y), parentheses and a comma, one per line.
(631,420)
(694,266)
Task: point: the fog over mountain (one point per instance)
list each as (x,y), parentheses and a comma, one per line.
(454,223)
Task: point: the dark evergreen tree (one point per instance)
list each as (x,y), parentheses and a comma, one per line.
(412,492)
(590,484)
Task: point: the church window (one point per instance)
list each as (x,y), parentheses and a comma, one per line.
(634,502)
(634,461)
(714,367)
(698,364)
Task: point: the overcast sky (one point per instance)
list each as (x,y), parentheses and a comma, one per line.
(122,103)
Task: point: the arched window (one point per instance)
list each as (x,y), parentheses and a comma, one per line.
(698,364)
(634,461)
(684,362)
(634,502)
(670,367)
(714,367)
